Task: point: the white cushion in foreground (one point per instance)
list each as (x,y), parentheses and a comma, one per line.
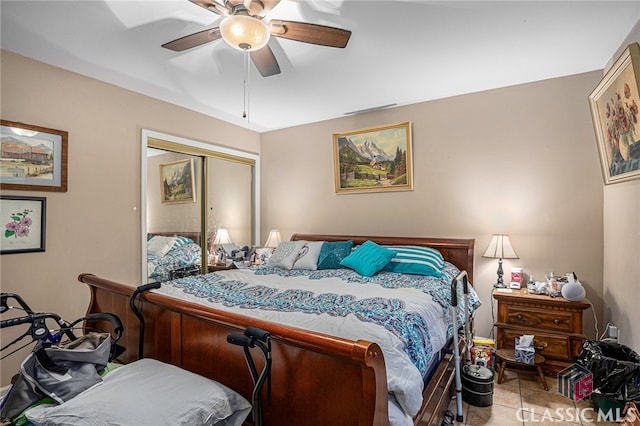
(148,392)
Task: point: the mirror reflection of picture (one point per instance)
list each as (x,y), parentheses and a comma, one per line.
(177,182)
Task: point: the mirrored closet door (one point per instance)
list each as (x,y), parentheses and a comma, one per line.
(192,192)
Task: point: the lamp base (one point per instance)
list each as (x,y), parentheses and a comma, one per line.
(499,285)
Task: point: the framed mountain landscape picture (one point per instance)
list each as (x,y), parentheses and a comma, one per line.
(376,159)
(177,182)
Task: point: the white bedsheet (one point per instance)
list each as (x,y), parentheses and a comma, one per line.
(403,378)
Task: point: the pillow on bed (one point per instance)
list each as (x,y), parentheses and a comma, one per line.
(368,259)
(308,258)
(286,254)
(170,396)
(416,260)
(159,246)
(181,242)
(332,254)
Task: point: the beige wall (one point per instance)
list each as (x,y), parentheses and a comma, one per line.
(622,248)
(95,226)
(520,160)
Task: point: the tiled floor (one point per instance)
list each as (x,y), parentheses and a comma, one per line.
(521,400)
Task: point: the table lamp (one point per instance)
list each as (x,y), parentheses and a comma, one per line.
(274,239)
(500,248)
(222,237)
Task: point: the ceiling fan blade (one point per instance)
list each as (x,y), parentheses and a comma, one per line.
(310,33)
(193,40)
(269,5)
(211,6)
(265,61)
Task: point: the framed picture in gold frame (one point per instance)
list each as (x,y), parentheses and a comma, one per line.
(177,182)
(614,107)
(375,159)
(34,158)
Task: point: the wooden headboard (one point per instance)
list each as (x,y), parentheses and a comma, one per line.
(194,235)
(457,251)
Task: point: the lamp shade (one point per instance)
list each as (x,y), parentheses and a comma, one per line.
(500,248)
(222,237)
(274,239)
(243,32)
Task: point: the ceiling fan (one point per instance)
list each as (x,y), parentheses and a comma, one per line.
(244,29)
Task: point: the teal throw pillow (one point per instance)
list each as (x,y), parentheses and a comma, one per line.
(332,253)
(368,259)
(416,260)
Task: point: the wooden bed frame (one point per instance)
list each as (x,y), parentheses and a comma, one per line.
(316,379)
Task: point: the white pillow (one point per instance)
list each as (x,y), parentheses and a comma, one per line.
(308,258)
(159,246)
(148,392)
(285,254)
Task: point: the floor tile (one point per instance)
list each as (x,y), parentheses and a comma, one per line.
(538,400)
(508,396)
(509,379)
(494,415)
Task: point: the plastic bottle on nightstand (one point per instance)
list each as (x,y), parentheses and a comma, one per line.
(553,284)
(531,285)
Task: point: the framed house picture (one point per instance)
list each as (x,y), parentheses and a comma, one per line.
(614,107)
(23,223)
(33,158)
(376,159)
(177,182)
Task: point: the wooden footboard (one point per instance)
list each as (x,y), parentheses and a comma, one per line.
(316,379)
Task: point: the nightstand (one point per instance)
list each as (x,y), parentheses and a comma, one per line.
(556,324)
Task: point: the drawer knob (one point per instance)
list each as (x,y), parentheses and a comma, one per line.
(520,317)
(556,321)
(539,345)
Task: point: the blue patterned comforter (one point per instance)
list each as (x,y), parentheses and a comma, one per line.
(407,315)
(159,268)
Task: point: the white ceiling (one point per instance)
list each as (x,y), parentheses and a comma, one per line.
(400,52)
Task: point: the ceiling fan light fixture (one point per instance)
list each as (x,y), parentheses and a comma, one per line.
(244,32)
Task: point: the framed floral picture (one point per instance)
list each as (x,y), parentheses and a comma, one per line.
(614,107)
(33,158)
(177,181)
(376,159)
(23,223)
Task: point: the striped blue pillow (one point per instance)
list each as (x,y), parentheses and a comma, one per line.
(416,260)
(181,242)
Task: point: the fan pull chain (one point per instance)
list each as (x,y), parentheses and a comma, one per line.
(247,73)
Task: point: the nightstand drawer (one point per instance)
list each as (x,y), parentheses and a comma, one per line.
(551,346)
(539,318)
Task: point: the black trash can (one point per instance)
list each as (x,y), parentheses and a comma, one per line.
(615,369)
(477,385)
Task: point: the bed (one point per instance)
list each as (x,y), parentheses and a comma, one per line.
(317,377)
(172,254)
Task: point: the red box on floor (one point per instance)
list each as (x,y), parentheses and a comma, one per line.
(483,356)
